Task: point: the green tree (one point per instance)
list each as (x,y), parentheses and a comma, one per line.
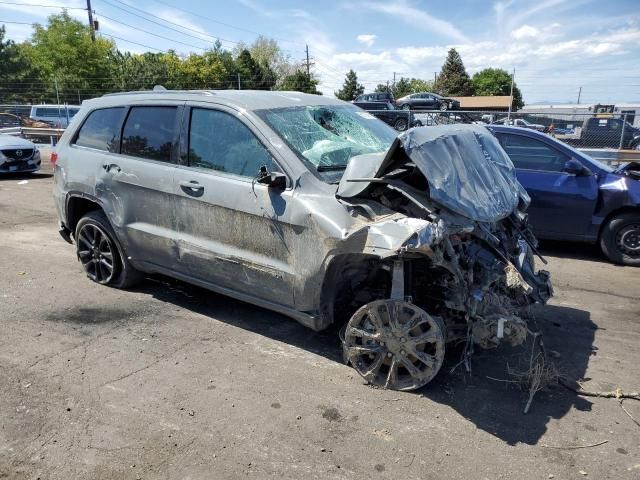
(382,87)
(401,88)
(301,82)
(252,74)
(351,88)
(496,81)
(406,86)
(14,72)
(268,54)
(418,85)
(62,52)
(453,78)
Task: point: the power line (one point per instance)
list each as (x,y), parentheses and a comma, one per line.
(167,21)
(150,33)
(18,23)
(131,41)
(199,15)
(42,6)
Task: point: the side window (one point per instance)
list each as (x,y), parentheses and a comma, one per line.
(221,142)
(531,154)
(101,129)
(149,132)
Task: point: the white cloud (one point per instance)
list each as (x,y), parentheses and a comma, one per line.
(413,55)
(525,31)
(175,16)
(367,39)
(47,9)
(405,11)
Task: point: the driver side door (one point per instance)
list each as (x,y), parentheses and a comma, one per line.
(233,232)
(562,204)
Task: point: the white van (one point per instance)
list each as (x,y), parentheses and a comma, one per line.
(57,115)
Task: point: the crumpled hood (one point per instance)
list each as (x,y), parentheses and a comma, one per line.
(466,170)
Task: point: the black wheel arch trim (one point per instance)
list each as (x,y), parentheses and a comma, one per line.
(614,213)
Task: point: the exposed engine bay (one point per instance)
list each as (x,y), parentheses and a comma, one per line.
(455,264)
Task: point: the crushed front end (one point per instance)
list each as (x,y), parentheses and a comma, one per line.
(458,252)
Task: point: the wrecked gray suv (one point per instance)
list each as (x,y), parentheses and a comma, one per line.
(310,207)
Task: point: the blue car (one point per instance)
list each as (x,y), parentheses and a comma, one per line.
(573,196)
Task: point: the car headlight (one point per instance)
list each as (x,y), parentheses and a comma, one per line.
(36,154)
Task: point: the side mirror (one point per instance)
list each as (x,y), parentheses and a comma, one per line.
(275,180)
(574,167)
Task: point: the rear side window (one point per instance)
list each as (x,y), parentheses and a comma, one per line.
(149,132)
(101,129)
(531,154)
(49,112)
(219,141)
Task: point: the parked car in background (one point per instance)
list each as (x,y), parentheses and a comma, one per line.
(605,132)
(427,101)
(58,116)
(8,120)
(521,122)
(18,155)
(573,196)
(310,207)
(401,120)
(375,97)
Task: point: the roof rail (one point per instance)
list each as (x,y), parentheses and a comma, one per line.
(155,92)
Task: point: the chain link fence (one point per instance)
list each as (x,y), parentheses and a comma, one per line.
(597,132)
(581,130)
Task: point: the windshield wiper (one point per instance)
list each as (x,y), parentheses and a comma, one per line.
(331,168)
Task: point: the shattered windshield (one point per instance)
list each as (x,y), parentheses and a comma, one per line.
(327,136)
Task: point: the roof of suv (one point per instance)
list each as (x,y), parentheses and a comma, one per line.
(247,99)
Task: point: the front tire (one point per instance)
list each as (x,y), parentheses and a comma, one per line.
(100,254)
(394,344)
(620,239)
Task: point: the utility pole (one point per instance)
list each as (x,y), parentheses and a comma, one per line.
(579,93)
(91,26)
(239,86)
(435,80)
(394,80)
(307,50)
(511,96)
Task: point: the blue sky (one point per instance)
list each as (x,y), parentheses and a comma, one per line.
(555,46)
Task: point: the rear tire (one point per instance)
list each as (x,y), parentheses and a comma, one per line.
(400,124)
(100,253)
(620,239)
(444,107)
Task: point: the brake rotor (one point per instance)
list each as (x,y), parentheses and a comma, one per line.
(394,344)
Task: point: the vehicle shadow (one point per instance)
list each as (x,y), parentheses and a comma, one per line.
(574,250)
(25,176)
(497,406)
(491,405)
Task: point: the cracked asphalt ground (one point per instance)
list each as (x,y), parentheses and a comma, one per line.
(170,381)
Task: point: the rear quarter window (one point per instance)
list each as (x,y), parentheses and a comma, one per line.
(149,132)
(101,129)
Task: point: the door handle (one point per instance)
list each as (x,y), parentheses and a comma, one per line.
(108,166)
(192,186)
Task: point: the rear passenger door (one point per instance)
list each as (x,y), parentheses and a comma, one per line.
(136,185)
(231,229)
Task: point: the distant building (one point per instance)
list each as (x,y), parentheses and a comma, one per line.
(580,111)
(496,103)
